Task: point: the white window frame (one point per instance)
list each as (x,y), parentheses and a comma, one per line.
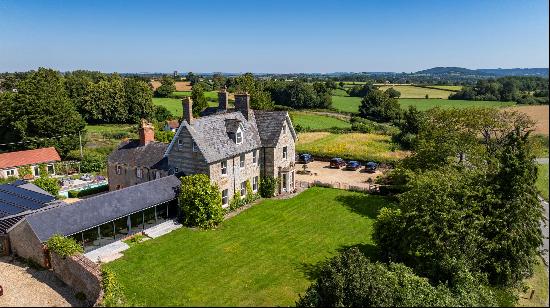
(225,199)
(118,169)
(180,143)
(195,147)
(48,168)
(139,173)
(242,159)
(224,167)
(255,157)
(239,135)
(243,189)
(10,172)
(255,184)
(285,152)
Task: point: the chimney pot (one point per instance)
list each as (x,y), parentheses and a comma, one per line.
(187,104)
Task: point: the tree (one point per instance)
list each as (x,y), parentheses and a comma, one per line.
(48,184)
(161,113)
(361,90)
(409,127)
(93,162)
(352,280)
(200,202)
(167,86)
(42,109)
(378,106)
(199,100)
(139,100)
(393,93)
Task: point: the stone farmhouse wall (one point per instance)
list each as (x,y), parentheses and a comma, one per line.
(183,156)
(235,174)
(273,157)
(81,274)
(25,244)
(128,175)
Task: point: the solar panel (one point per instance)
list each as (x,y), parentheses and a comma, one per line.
(26,193)
(19,201)
(8,209)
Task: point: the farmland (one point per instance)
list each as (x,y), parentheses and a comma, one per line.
(537,113)
(174,104)
(418,92)
(261,257)
(316,121)
(358,146)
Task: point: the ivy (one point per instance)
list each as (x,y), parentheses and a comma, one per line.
(24,171)
(63,246)
(113,292)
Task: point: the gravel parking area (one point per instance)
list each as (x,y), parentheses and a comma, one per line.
(25,286)
(320,171)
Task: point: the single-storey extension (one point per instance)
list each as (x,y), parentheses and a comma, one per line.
(12,161)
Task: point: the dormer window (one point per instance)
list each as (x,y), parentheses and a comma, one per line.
(239,136)
(195,148)
(180,143)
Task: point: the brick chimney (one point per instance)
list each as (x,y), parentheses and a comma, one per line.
(223,101)
(242,104)
(187,104)
(146,133)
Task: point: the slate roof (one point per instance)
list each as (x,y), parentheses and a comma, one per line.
(131,153)
(270,125)
(68,219)
(28,157)
(213,138)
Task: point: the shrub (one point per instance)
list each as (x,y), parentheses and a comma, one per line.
(93,162)
(352,280)
(87,192)
(43,170)
(9,179)
(48,184)
(268,185)
(24,171)
(250,195)
(200,202)
(113,292)
(63,246)
(237,201)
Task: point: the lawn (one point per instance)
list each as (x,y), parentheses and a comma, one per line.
(264,256)
(317,122)
(542,180)
(339,92)
(108,135)
(418,92)
(359,146)
(425,104)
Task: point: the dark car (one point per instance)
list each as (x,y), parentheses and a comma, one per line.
(305,158)
(337,162)
(371,167)
(353,165)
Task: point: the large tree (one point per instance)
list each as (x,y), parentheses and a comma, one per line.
(167,86)
(378,106)
(42,109)
(199,100)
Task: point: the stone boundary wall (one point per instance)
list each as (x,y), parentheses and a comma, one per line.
(338,185)
(81,274)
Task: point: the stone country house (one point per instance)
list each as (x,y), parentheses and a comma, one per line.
(231,146)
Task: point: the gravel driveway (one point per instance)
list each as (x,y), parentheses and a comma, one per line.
(25,286)
(320,171)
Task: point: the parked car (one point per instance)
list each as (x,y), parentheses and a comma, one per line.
(353,165)
(305,158)
(337,162)
(371,167)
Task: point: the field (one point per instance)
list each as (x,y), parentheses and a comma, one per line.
(108,135)
(317,122)
(180,85)
(174,104)
(542,180)
(264,256)
(425,104)
(418,92)
(450,88)
(363,147)
(346,103)
(539,114)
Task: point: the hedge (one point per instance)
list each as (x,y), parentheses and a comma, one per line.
(63,246)
(89,191)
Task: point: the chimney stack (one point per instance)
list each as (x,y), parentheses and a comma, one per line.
(146,133)
(242,104)
(187,104)
(223,99)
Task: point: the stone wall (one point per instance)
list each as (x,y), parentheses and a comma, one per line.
(81,274)
(128,175)
(26,245)
(183,157)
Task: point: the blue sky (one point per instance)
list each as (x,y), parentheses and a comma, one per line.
(272,36)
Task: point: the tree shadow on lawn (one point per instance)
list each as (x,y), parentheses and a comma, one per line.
(364,204)
(313,270)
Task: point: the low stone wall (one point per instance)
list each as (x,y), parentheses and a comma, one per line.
(81,274)
(338,185)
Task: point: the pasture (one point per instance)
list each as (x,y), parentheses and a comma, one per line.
(317,122)
(425,104)
(265,256)
(174,104)
(358,146)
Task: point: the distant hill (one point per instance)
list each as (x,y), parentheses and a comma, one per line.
(489,72)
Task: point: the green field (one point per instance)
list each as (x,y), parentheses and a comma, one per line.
(174,104)
(339,92)
(450,88)
(346,103)
(264,256)
(317,122)
(358,146)
(542,180)
(425,104)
